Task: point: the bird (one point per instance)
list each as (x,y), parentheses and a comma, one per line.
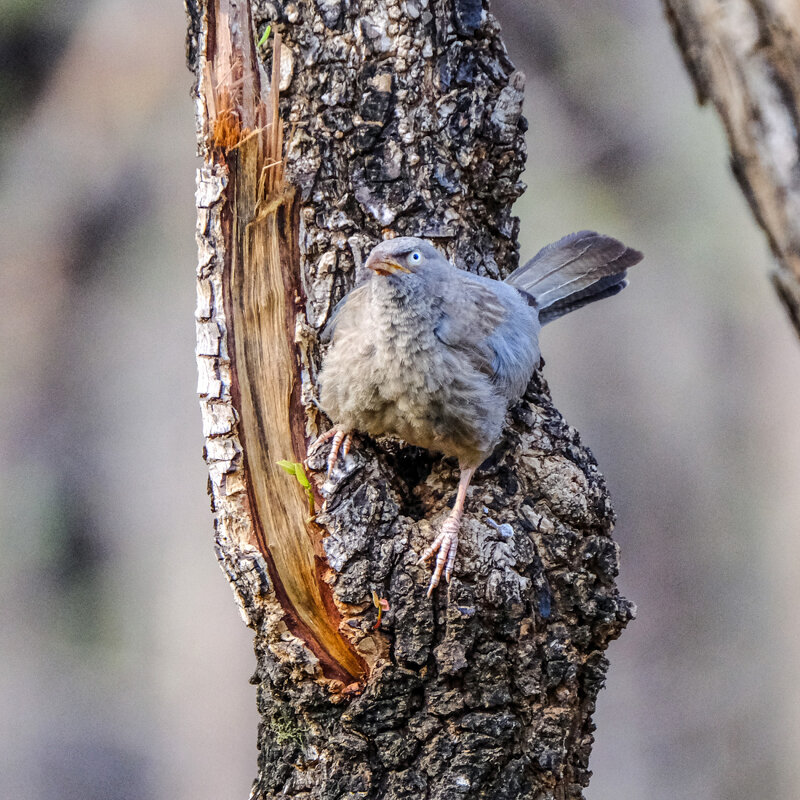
(435,355)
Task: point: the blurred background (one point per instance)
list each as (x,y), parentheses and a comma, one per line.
(125,665)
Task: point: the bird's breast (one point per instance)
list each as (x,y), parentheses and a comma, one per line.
(394,377)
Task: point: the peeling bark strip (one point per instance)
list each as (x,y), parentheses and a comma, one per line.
(404,117)
(744,56)
(249,299)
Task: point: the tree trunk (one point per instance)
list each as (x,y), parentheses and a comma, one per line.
(401,117)
(744,56)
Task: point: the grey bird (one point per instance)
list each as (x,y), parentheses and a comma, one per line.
(435,355)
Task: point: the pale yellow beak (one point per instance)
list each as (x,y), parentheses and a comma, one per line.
(385,265)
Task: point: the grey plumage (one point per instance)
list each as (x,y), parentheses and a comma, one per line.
(435,355)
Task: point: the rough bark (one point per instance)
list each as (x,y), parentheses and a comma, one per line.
(744,56)
(404,118)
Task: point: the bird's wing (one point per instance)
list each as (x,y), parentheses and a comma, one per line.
(471,312)
(490,323)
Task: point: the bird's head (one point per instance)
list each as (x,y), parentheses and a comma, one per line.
(403,255)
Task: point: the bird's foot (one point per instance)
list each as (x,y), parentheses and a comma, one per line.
(340,446)
(446,543)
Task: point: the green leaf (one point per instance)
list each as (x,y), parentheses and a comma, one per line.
(263,40)
(295,468)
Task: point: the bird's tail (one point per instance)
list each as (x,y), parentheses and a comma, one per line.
(574,271)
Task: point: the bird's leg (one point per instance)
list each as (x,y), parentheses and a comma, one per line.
(447,541)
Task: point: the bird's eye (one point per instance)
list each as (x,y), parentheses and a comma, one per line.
(415,256)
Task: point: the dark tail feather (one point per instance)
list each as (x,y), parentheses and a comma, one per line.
(605,287)
(576,270)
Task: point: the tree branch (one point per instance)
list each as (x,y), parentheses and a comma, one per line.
(744,56)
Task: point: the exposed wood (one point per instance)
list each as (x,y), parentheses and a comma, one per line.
(399,118)
(744,56)
(251,333)
(263,302)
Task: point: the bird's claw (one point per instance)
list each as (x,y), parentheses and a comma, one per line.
(340,446)
(446,543)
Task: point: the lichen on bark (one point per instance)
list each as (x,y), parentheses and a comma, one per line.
(405,118)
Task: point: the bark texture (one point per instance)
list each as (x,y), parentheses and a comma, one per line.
(399,117)
(744,56)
